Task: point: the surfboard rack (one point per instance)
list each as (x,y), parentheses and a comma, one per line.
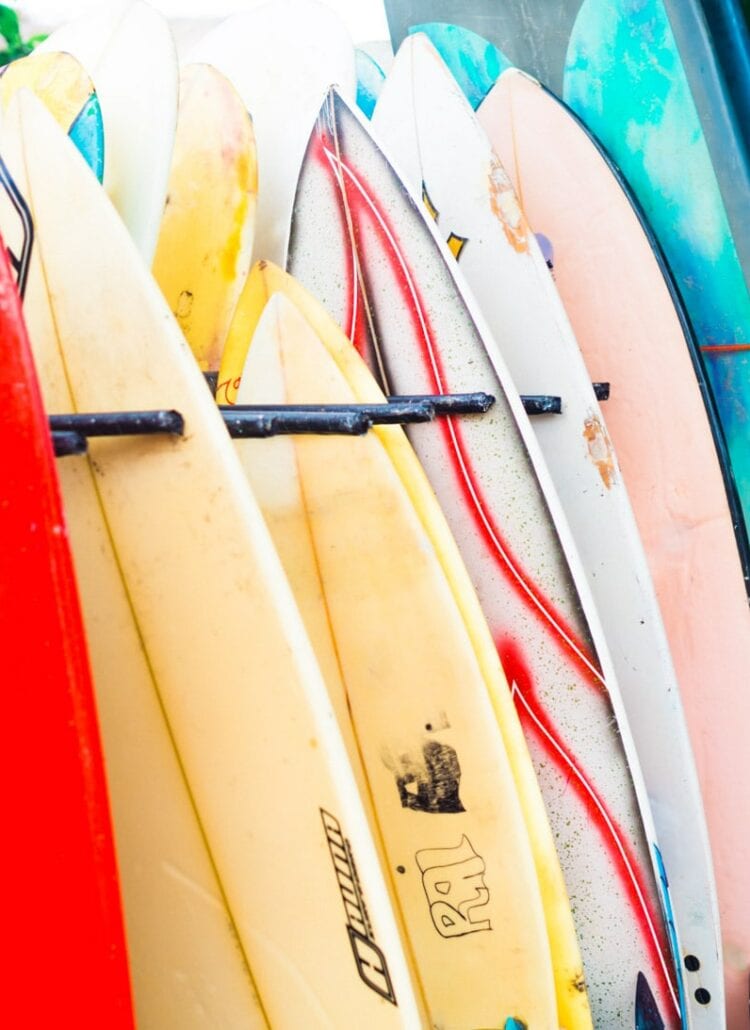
(71,432)
(534,404)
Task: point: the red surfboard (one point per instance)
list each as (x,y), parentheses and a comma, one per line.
(65,961)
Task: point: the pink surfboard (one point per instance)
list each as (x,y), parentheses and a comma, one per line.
(631,335)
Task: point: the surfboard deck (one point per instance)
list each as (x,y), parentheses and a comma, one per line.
(61,868)
(128,51)
(233,728)
(434,759)
(311,44)
(386,297)
(630,50)
(429,127)
(206,235)
(663,440)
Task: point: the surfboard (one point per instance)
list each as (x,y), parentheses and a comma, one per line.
(238,683)
(205,241)
(680,40)
(434,760)
(619,54)
(429,128)
(186,966)
(128,51)
(63,86)
(473,61)
(540,586)
(61,868)
(311,44)
(370,78)
(631,333)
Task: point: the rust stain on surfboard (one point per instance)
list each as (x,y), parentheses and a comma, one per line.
(505,207)
(600,449)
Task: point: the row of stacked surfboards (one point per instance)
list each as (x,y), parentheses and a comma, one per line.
(439,726)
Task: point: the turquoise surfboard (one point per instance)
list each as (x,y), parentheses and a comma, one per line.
(625,79)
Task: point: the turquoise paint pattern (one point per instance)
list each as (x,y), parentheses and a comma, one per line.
(474,62)
(624,78)
(87,132)
(370,79)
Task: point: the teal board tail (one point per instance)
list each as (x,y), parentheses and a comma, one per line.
(87,132)
(475,63)
(370,79)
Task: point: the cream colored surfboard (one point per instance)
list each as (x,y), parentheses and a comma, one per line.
(58,79)
(206,236)
(266,279)
(235,674)
(127,49)
(434,759)
(631,334)
(187,968)
(281,56)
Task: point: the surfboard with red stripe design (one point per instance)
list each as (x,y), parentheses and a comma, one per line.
(362,246)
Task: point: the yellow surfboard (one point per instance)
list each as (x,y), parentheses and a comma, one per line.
(206,236)
(233,669)
(380,608)
(265,280)
(57,78)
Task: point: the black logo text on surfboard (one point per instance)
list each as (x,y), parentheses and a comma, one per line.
(371,964)
(453,880)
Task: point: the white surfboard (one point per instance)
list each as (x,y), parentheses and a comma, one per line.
(362,245)
(236,676)
(429,127)
(281,57)
(128,51)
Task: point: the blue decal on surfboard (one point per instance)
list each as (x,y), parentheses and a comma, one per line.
(370,79)
(668,911)
(87,132)
(514,1024)
(475,63)
(625,78)
(647,1016)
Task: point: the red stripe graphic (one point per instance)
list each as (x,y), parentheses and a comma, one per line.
(358,203)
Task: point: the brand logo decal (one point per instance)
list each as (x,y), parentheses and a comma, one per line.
(370,960)
(453,880)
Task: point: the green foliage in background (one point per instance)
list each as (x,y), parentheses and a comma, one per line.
(10,30)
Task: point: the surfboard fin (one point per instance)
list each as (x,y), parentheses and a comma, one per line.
(647,1016)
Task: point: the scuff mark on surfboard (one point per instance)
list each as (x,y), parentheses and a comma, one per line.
(600,449)
(505,207)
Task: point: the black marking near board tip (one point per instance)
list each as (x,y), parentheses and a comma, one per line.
(19,262)
(369,959)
